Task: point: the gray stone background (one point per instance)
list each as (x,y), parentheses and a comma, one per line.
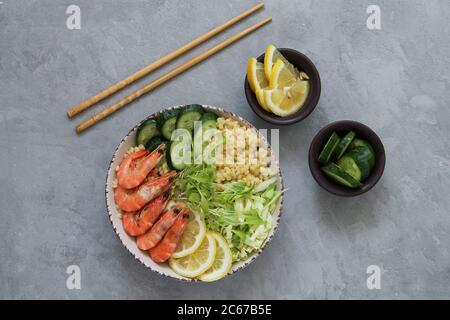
(396,80)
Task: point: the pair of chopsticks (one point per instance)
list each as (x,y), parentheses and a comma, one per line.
(167,76)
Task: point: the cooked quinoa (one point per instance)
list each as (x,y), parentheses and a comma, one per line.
(250,162)
(163,167)
(134,149)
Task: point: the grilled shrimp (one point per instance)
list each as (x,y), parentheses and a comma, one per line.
(167,246)
(130,200)
(137,223)
(132,172)
(159,229)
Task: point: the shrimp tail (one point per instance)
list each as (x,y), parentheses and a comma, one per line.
(153,237)
(164,250)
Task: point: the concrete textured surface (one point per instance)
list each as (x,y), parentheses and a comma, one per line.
(396,80)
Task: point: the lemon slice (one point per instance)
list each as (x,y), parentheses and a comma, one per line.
(222,262)
(286,101)
(255,75)
(270,58)
(192,237)
(281,76)
(260,98)
(201,260)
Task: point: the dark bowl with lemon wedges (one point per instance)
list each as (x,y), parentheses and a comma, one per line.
(274,102)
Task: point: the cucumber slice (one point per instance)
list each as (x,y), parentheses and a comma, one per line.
(168,127)
(155,142)
(167,122)
(209,121)
(146,131)
(364,159)
(176,161)
(187,118)
(349,165)
(181,150)
(168,157)
(361,143)
(194,107)
(209,116)
(209,124)
(343,145)
(163,116)
(338,175)
(205,145)
(327,151)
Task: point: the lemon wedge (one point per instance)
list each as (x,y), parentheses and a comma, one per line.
(281,76)
(286,101)
(270,58)
(198,262)
(192,237)
(222,262)
(255,75)
(260,98)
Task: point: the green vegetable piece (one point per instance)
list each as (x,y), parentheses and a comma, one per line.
(146,131)
(338,175)
(167,121)
(209,121)
(361,143)
(343,145)
(194,107)
(327,151)
(209,116)
(155,142)
(349,165)
(364,159)
(187,118)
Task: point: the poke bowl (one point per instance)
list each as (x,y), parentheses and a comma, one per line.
(239,206)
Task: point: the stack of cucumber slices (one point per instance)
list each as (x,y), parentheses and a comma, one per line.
(154,132)
(347,160)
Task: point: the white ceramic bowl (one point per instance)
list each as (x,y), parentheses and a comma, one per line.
(130,243)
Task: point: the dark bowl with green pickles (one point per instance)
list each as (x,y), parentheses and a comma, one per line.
(344,146)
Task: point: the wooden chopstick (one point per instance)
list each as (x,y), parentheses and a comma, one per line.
(159,63)
(169,75)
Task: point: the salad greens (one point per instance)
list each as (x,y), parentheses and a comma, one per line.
(196,185)
(242,214)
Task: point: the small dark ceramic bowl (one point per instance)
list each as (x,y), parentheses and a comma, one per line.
(341,128)
(302,63)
